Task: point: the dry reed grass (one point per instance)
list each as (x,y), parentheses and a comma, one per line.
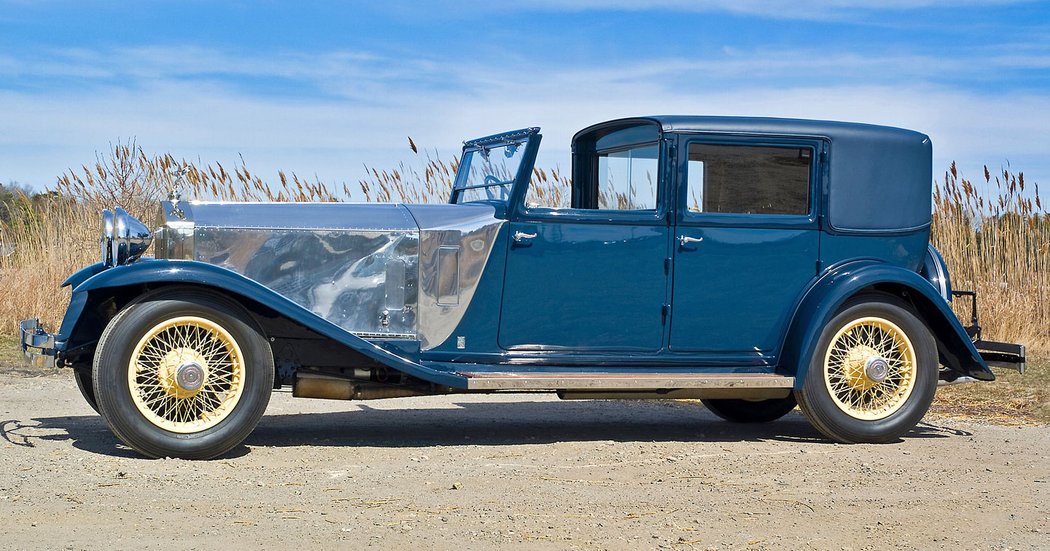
(56,233)
(995,240)
(994,236)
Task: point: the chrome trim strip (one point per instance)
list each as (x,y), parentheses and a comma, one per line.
(617,381)
(390,336)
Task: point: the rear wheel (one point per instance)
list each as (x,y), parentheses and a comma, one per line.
(873,374)
(184,377)
(751,411)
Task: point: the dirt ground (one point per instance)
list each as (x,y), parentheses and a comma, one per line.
(523,471)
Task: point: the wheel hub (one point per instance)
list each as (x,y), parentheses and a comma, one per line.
(183,372)
(189,376)
(876,369)
(857,364)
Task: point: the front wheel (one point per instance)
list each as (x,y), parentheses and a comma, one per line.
(873,373)
(184,375)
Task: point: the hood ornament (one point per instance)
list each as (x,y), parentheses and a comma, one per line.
(175,195)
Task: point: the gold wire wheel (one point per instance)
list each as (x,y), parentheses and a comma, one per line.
(869,368)
(186,374)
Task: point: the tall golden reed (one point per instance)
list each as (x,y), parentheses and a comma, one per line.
(995,240)
(995,236)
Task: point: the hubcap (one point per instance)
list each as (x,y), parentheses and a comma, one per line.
(189,377)
(876,369)
(869,368)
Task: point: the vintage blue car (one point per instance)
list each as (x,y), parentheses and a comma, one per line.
(755,264)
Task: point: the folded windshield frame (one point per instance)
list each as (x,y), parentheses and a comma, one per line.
(490,167)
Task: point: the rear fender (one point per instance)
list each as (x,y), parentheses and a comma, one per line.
(833,289)
(152,273)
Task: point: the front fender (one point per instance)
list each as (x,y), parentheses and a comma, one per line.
(834,288)
(83,274)
(154,272)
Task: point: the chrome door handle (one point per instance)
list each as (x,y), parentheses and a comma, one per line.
(520,236)
(684,240)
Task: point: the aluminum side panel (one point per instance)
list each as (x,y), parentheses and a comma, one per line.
(455,244)
(340,275)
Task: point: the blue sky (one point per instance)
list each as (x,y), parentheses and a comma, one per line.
(324,88)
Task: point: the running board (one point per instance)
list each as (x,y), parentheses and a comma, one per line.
(595,382)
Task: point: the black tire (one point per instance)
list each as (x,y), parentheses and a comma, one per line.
(82,375)
(871,417)
(751,411)
(155,431)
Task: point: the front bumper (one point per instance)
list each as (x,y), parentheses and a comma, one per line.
(1002,354)
(38,345)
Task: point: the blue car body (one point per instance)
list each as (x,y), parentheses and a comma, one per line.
(660,290)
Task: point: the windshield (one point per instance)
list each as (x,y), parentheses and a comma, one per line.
(489,166)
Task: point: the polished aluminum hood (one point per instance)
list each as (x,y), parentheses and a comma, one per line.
(376,270)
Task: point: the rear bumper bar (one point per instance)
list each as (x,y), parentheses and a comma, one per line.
(995,354)
(37,345)
(1002,354)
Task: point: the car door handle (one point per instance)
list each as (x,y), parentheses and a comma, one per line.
(520,236)
(684,240)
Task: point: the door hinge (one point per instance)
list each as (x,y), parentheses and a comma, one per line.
(667,266)
(665,310)
(672,154)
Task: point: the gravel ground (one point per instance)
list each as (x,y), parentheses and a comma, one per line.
(523,471)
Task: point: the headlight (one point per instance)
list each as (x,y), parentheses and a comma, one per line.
(124,238)
(107,237)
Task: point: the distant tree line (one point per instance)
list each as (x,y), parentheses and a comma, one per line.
(12,195)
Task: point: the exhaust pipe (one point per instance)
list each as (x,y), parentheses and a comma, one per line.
(312,385)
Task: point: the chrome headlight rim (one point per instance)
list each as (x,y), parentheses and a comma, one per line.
(107,237)
(124,238)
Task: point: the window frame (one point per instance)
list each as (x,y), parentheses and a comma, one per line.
(596,172)
(657,216)
(818,147)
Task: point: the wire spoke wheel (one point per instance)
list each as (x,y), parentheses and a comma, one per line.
(186,374)
(870,368)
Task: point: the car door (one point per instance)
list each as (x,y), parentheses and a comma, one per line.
(592,278)
(746,243)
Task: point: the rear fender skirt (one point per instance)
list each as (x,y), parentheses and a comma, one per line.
(153,272)
(834,288)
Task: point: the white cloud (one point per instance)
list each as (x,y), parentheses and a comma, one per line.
(185,101)
(778,9)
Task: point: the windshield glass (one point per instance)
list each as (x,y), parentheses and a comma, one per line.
(487,172)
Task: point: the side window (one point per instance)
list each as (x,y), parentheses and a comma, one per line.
(550,189)
(627,178)
(746,179)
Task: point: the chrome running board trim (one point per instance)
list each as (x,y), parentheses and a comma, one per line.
(622,381)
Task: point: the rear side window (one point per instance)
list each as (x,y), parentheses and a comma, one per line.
(745,179)
(627,178)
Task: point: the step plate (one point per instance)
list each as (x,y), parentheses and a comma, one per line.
(620,381)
